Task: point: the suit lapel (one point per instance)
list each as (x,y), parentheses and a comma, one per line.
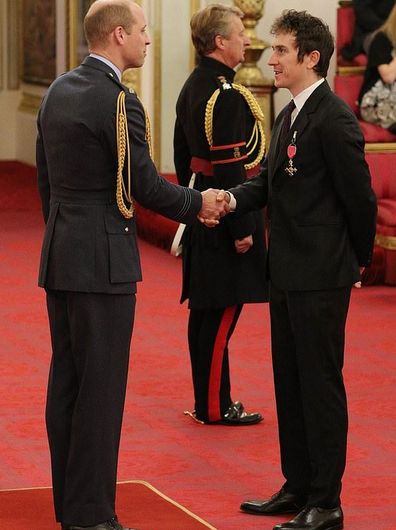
(278,157)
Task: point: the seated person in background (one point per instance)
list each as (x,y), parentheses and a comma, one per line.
(369,15)
(377,98)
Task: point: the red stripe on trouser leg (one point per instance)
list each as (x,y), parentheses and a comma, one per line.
(214,413)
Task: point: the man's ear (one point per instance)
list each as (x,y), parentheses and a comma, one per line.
(313,58)
(118,33)
(219,41)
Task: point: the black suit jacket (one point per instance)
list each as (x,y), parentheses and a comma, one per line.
(323,218)
(88,245)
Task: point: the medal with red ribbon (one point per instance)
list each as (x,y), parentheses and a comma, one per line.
(291,153)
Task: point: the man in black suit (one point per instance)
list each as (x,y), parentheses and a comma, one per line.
(93,160)
(322,212)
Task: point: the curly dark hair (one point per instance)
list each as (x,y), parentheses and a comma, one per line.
(310,32)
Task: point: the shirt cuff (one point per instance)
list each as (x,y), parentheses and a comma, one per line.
(232,202)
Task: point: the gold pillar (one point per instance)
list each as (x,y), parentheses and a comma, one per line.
(249,74)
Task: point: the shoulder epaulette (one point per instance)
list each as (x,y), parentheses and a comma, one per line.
(223,83)
(257,138)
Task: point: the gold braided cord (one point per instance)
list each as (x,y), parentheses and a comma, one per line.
(258,129)
(209,116)
(148,134)
(122,153)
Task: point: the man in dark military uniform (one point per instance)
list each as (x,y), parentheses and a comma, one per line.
(88,122)
(219,137)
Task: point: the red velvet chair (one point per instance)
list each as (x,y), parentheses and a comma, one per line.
(345,25)
(380,155)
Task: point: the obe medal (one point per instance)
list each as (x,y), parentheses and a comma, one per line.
(291,153)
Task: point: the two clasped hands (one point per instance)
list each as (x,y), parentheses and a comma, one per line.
(215,204)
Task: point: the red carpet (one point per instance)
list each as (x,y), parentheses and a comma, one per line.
(207,469)
(140,505)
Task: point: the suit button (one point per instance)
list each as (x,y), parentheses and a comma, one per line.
(126,229)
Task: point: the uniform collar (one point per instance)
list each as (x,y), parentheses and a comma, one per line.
(217,67)
(108,63)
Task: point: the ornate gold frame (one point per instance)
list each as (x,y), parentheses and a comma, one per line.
(194,6)
(72,33)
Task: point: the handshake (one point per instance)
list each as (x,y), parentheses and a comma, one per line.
(215,204)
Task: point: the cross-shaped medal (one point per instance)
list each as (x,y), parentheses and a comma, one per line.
(291,153)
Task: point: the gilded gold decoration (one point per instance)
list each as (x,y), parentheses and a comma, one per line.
(350,70)
(131,79)
(194,7)
(386,242)
(77,47)
(157,92)
(30,103)
(249,74)
(258,130)
(14,43)
(385,147)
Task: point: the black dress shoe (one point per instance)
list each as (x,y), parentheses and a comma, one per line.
(315,519)
(280,503)
(112,524)
(236,415)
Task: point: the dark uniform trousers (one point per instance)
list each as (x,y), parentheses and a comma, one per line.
(309,388)
(91,334)
(209,332)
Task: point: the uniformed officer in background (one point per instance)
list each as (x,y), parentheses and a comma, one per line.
(219,138)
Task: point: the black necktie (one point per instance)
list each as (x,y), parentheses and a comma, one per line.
(287,121)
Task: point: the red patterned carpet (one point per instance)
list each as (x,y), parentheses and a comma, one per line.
(139,503)
(207,469)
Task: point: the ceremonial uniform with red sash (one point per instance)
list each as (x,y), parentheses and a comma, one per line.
(217,280)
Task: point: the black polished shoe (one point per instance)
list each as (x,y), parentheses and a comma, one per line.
(312,518)
(236,415)
(280,503)
(112,524)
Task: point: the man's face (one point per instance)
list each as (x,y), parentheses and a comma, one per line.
(137,41)
(289,73)
(235,43)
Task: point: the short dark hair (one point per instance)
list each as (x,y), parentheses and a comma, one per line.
(311,33)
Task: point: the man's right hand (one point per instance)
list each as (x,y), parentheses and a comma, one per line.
(213,207)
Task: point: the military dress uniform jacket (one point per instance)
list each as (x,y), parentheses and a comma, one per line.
(214,275)
(88,245)
(323,216)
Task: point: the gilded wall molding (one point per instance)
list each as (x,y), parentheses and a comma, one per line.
(157,73)
(30,103)
(14,39)
(2,50)
(194,6)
